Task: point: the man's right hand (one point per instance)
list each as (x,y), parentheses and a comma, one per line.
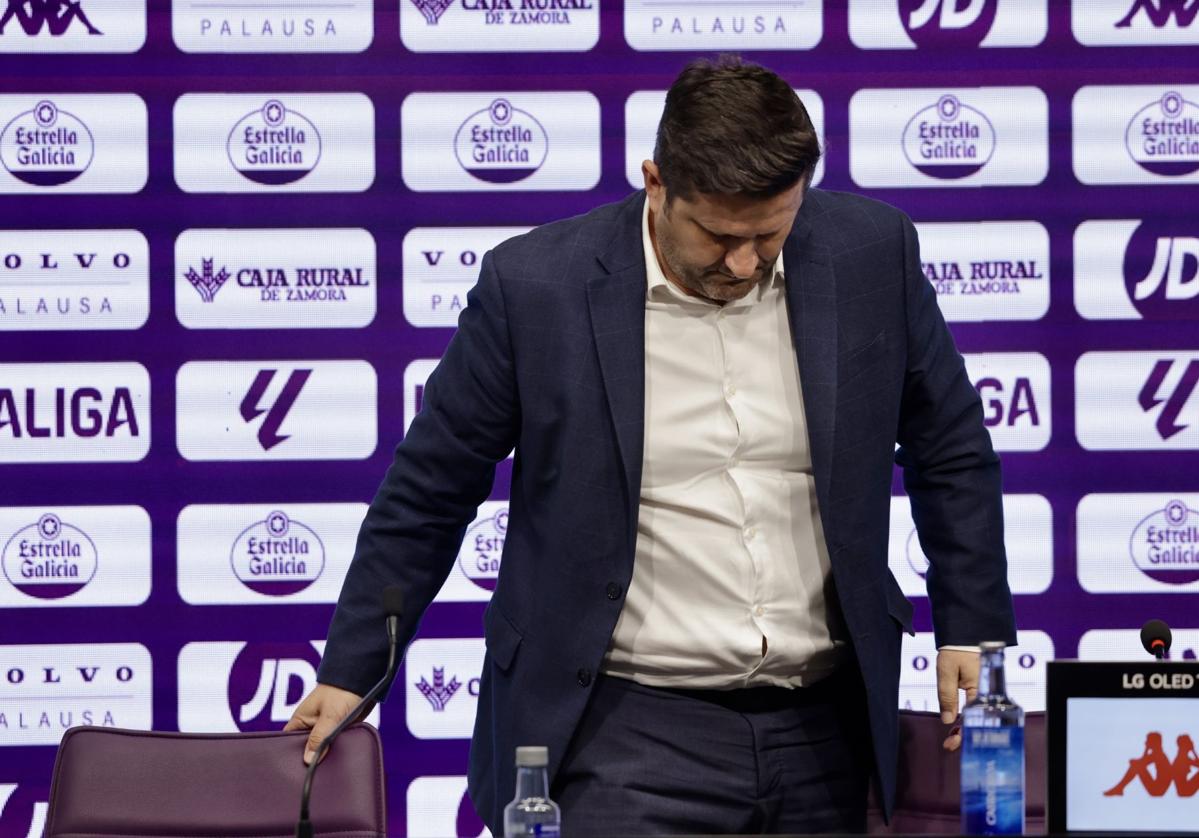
(321,711)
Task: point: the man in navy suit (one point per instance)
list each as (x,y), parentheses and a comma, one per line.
(705,385)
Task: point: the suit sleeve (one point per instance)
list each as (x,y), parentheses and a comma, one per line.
(951,474)
(443,469)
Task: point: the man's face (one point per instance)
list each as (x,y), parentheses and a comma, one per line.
(718,247)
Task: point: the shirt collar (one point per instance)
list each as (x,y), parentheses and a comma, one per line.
(658,287)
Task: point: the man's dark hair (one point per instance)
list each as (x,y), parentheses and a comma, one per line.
(730,128)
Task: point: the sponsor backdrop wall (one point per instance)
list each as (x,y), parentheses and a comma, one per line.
(235,238)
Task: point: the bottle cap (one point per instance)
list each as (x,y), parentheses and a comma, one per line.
(532,756)
(991,646)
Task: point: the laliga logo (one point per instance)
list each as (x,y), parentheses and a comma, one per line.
(1165,545)
(50,559)
(948,140)
(274,145)
(1156,772)
(46,146)
(1163,136)
(267,682)
(1160,12)
(278,556)
(501,144)
(940,23)
(482,549)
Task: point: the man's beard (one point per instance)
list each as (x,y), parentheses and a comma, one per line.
(709,283)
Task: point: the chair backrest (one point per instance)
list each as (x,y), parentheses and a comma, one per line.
(135,784)
(928,787)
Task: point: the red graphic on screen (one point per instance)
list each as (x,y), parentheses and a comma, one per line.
(1157,772)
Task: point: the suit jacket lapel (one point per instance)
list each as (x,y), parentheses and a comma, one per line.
(812,300)
(616,299)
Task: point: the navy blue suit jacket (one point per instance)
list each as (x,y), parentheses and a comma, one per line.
(549,358)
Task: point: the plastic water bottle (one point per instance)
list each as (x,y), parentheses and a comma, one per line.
(531,812)
(992,754)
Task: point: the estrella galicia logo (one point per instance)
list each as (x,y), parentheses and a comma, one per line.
(1165,544)
(56,17)
(251,406)
(432,10)
(949,140)
(482,548)
(267,681)
(941,23)
(1163,136)
(1161,272)
(46,146)
(50,558)
(208,281)
(274,145)
(440,691)
(277,556)
(1172,400)
(1159,13)
(501,143)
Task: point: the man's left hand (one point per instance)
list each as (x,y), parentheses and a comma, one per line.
(956,670)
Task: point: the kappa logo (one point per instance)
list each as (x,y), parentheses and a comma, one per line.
(251,406)
(1163,136)
(1157,773)
(1161,13)
(1172,402)
(439,692)
(207,282)
(949,140)
(46,146)
(936,23)
(56,16)
(274,145)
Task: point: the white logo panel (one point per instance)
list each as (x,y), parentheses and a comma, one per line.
(440,265)
(1023,665)
(74,413)
(1014,388)
(1028,537)
(1136,134)
(482,142)
(1125,645)
(474,575)
(272,26)
(1017,23)
(643,111)
(73,280)
(73,143)
(441,687)
(266,553)
(225,687)
(269,142)
(439,806)
(1116,23)
(981,136)
(1138,543)
(82,26)
(275,279)
(987,270)
(49,688)
(447,26)
(74,556)
(276,410)
(728,25)
(1137,401)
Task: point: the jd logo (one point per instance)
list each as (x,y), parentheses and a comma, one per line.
(1175,260)
(1161,270)
(1157,773)
(1150,395)
(251,409)
(1160,12)
(267,682)
(55,15)
(962,23)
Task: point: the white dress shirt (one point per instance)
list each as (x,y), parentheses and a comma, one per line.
(731,584)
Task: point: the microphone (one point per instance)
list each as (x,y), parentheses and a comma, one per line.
(393,602)
(1156,638)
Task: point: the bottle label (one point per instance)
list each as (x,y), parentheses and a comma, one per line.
(546,830)
(993,780)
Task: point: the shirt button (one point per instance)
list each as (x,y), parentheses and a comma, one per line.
(731,389)
(613,591)
(750,532)
(584,677)
(759,611)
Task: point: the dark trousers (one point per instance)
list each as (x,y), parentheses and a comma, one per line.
(647,760)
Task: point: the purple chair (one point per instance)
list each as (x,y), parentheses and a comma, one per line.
(137,784)
(928,791)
